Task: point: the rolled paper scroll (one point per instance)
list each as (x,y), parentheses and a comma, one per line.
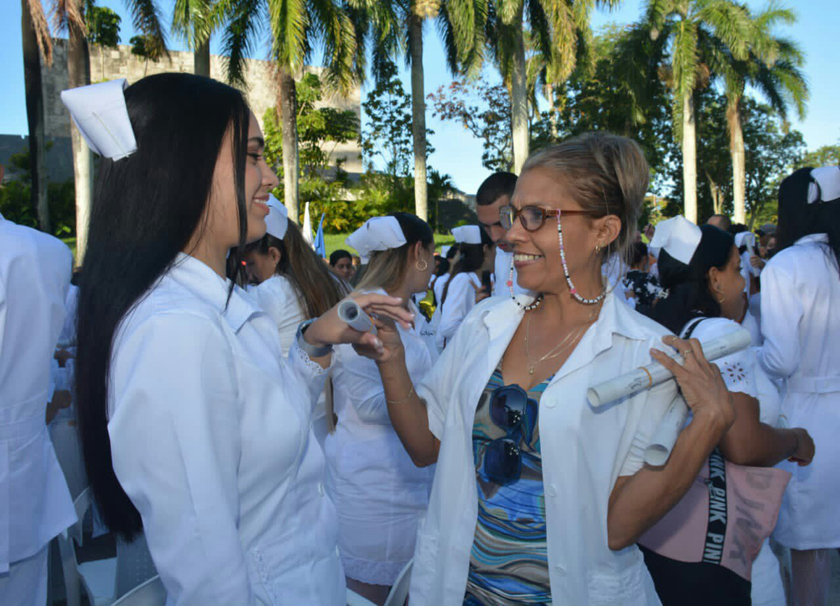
(665,436)
(350,312)
(654,373)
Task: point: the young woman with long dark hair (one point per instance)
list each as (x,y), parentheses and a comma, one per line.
(706,300)
(800,298)
(194,430)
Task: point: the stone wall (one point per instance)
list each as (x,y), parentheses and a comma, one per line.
(114,63)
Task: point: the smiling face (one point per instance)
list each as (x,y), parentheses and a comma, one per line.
(223,214)
(537,253)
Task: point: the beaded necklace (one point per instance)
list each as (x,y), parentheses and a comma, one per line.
(572,288)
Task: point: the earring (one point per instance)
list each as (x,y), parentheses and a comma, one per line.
(721,298)
(425,265)
(597,248)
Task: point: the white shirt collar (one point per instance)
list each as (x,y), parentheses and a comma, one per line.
(211,287)
(813,239)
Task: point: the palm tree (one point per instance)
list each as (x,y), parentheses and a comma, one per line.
(296,28)
(194,21)
(555,27)
(695,30)
(773,66)
(36,42)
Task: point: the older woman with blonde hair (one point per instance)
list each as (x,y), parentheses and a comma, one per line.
(380,495)
(538,497)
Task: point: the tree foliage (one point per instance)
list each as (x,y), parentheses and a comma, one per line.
(103,25)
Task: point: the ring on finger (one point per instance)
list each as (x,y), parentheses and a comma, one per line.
(687,353)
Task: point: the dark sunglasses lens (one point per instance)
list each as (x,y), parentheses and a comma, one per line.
(507,407)
(502,461)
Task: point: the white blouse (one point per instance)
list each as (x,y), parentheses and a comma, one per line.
(35,504)
(211,440)
(379,493)
(279,299)
(584,451)
(460,299)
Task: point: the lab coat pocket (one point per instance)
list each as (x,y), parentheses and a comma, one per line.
(623,587)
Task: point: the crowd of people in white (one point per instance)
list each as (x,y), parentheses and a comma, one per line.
(269,453)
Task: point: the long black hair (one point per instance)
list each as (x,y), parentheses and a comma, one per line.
(145,210)
(689,294)
(798,218)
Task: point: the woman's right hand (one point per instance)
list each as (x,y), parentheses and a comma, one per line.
(805,449)
(389,337)
(700,382)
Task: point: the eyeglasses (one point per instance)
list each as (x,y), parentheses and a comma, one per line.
(508,409)
(532,217)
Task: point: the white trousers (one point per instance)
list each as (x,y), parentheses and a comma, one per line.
(26,582)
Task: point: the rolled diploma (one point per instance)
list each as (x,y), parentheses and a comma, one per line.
(665,436)
(350,312)
(654,373)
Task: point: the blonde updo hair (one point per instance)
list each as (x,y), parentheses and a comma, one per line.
(606,174)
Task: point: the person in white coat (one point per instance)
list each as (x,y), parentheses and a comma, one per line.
(476,259)
(700,269)
(537,496)
(800,295)
(293,285)
(195,430)
(35,503)
(379,494)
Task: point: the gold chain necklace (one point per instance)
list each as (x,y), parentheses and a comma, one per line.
(565,344)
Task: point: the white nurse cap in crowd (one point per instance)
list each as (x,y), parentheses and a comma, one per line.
(679,237)
(277,221)
(377,234)
(101,116)
(825,185)
(467,234)
(444,250)
(745,238)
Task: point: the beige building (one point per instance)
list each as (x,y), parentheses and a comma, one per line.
(114,63)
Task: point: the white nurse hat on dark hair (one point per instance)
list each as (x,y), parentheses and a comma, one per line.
(825,185)
(467,234)
(277,221)
(679,237)
(100,114)
(377,234)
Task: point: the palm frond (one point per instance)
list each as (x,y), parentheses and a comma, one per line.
(145,16)
(243,20)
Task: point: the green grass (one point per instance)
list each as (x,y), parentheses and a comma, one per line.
(332,242)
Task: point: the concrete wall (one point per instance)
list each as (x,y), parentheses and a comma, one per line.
(114,63)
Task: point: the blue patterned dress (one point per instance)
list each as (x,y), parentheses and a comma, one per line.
(509,560)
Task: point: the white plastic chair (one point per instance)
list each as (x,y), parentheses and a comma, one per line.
(150,593)
(399,591)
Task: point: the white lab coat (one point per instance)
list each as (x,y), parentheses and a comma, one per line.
(584,451)
(35,504)
(800,296)
(440,283)
(379,493)
(460,299)
(279,299)
(211,440)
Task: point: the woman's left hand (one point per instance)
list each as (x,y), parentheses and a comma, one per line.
(329,329)
(700,382)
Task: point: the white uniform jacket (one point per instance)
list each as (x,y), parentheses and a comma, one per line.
(35,504)
(584,451)
(460,299)
(379,493)
(800,296)
(211,440)
(279,299)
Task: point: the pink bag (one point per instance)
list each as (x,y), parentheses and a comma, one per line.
(724,518)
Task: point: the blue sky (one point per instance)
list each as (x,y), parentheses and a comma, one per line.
(457,153)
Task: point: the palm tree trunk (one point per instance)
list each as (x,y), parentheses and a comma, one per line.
(288,120)
(519,100)
(78,69)
(689,154)
(418,115)
(552,112)
(201,59)
(35,118)
(739,169)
